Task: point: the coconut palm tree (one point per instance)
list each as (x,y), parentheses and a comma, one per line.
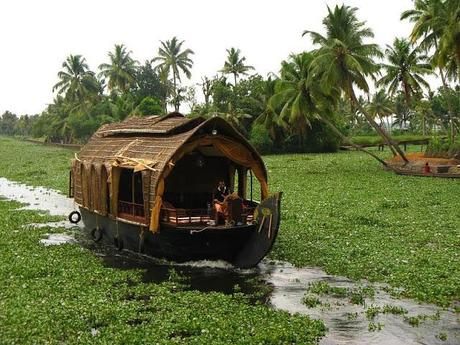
(299,99)
(343,60)
(428,17)
(235,117)
(121,71)
(425,113)
(173,60)
(235,64)
(436,26)
(381,106)
(268,117)
(405,69)
(449,41)
(77,82)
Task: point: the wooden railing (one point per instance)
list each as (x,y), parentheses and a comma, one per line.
(131,211)
(196,216)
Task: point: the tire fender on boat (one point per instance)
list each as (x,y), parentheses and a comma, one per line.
(73,219)
(96,234)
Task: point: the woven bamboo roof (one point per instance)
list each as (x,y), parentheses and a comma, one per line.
(153,140)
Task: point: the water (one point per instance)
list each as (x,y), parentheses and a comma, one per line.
(277,284)
(57,239)
(36,198)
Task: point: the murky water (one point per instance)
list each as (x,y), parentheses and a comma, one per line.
(36,198)
(279,285)
(57,239)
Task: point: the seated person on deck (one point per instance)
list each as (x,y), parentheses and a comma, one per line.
(219,199)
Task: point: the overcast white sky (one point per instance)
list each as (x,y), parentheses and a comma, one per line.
(37,36)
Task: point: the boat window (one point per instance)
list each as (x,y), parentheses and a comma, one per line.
(130,196)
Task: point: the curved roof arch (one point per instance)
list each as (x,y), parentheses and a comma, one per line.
(154,141)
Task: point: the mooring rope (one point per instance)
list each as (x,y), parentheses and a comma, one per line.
(201,230)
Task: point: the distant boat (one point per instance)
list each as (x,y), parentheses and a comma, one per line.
(146,184)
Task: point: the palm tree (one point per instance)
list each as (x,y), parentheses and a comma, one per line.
(428,17)
(345,61)
(405,69)
(449,41)
(121,71)
(172,59)
(235,117)
(299,99)
(268,117)
(436,26)
(77,82)
(235,64)
(424,112)
(381,106)
(293,97)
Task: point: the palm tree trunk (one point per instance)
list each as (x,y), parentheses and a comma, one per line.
(348,141)
(176,104)
(234,77)
(444,84)
(378,129)
(449,106)
(423,126)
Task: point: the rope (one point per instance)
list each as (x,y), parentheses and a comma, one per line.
(201,230)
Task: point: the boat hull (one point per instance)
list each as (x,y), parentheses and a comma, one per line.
(173,243)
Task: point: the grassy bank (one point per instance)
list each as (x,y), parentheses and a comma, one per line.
(377,140)
(34,164)
(341,212)
(344,213)
(64,295)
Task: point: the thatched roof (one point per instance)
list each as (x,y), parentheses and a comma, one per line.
(153,139)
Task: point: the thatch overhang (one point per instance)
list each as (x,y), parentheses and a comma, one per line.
(153,145)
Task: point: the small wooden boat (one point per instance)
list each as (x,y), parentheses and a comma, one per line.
(430,174)
(146,184)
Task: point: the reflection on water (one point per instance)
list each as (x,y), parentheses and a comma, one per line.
(279,285)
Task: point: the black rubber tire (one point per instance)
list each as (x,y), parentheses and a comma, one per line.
(96,234)
(118,243)
(71,217)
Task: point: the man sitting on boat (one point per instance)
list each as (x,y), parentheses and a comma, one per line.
(219,199)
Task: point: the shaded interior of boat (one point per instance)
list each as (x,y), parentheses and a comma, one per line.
(188,199)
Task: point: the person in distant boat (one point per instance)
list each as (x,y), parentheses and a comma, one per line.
(220,193)
(426,168)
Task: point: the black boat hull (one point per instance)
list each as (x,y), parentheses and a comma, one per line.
(173,243)
(243,246)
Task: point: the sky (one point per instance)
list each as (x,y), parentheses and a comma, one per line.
(37,36)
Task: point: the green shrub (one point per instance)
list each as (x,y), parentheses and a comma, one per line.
(319,138)
(149,106)
(261,140)
(441,148)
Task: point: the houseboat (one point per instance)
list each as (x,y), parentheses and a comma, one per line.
(148,184)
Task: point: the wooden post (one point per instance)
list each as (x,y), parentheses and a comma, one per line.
(250,173)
